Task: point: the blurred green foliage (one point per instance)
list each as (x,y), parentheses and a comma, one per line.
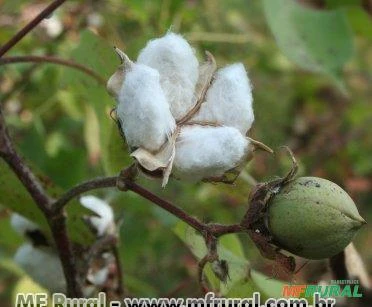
(311,71)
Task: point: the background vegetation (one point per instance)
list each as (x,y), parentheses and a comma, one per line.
(310,65)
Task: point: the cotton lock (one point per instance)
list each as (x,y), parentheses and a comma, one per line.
(208,151)
(175,60)
(229,100)
(143,109)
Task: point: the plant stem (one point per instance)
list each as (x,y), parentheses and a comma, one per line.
(120,286)
(56,219)
(216,230)
(32,24)
(97,183)
(53,60)
(57,224)
(166,205)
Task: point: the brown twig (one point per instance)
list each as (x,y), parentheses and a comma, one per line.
(93,184)
(57,224)
(126,183)
(120,286)
(166,205)
(52,60)
(31,25)
(56,219)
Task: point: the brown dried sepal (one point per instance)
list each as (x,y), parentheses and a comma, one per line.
(254,219)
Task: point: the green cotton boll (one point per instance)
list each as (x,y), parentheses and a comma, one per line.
(313,218)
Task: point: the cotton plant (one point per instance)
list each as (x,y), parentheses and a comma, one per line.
(38,256)
(183,118)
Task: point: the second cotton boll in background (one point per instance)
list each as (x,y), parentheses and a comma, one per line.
(40,260)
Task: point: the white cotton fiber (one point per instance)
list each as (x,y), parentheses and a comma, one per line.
(203,152)
(175,60)
(104,222)
(22,225)
(43,266)
(143,109)
(229,99)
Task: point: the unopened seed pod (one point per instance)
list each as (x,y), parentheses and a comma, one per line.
(313,218)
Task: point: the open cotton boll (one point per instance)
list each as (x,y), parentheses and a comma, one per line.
(104,223)
(229,99)
(143,109)
(22,225)
(43,266)
(204,152)
(174,59)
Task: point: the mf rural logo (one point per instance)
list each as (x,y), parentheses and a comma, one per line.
(337,288)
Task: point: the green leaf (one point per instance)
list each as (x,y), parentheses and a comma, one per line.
(191,238)
(9,238)
(26,285)
(14,196)
(115,151)
(243,281)
(99,55)
(360,21)
(233,244)
(238,265)
(340,3)
(8,264)
(319,41)
(268,286)
(358,17)
(139,286)
(91,134)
